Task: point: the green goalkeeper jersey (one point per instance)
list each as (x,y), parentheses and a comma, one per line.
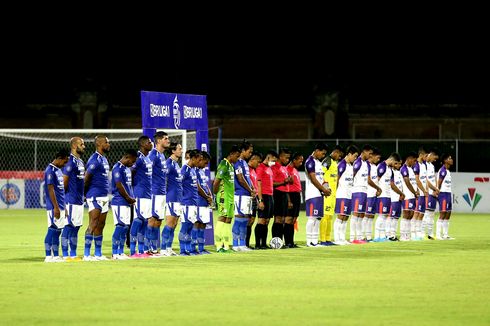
(226,173)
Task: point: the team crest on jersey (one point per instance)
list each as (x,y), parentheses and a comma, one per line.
(176,112)
(68,168)
(117,175)
(92,166)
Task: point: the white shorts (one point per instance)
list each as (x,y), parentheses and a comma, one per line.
(190,214)
(173,209)
(158,206)
(60,222)
(243,206)
(101,203)
(142,208)
(121,214)
(74,214)
(204,214)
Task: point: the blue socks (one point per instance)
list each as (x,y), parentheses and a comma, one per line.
(134,233)
(88,244)
(48,241)
(116,238)
(98,245)
(56,242)
(200,239)
(165,236)
(74,241)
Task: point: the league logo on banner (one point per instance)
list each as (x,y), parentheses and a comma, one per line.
(11,193)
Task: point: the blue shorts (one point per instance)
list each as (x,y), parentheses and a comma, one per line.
(445,202)
(420,204)
(384,206)
(409,204)
(314,207)
(396,209)
(358,202)
(372,204)
(343,206)
(431,203)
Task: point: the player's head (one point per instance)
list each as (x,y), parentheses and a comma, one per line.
(129,157)
(77,145)
(411,158)
(187,155)
(447,159)
(61,157)
(175,150)
(297,160)
(422,153)
(102,144)
(271,157)
(433,155)
(145,144)
(394,158)
(375,156)
(284,155)
(367,151)
(255,159)
(204,161)
(194,157)
(233,154)
(337,153)
(162,142)
(246,149)
(320,151)
(351,153)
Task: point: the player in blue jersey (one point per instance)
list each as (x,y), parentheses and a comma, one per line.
(174,198)
(54,191)
(122,201)
(189,203)
(97,195)
(204,203)
(142,175)
(244,194)
(74,174)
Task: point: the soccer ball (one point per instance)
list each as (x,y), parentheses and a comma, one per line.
(276,243)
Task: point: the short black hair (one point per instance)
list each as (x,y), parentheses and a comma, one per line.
(411,154)
(321,147)
(171,148)
(130,152)
(234,149)
(194,153)
(273,153)
(395,156)
(205,155)
(338,148)
(376,151)
(367,147)
(296,155)
(159,135)
(284,150)
(444,157)
(62,153)
(245,145)
(142,139)
(434,150)
(422,150)
(352,149)
(258,154)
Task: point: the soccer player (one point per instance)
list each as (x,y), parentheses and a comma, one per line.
(372,195)
(345,182)
(445,198)
(244,194)
(330,164)
(384,179)
(314,193)
(173,207)
(189,203)
(253,163)
(97,195)
(420,171)
(431,201)
(397,198)
(266,200)
(122,201)
(410,191)
(281,180)
(204,203)
(74,174)
(142,174)
(54,191)
(295,197)
(224,188)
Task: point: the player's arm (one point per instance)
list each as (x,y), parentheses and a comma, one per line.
(52,196)
(259,195)
(442,175)
(397,190)
(371,182)
(317,184)
(420,185)
(244,183)
(124,193)
(216,184)
(66,180)
(203,194)
(88,179)
(409,186)
(434,188)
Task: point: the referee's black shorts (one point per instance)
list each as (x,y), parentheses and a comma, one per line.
(295,198)
(268,207)
(280,203)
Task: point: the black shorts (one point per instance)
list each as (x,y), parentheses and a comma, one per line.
(295,198)
(280,203)
(268,207)
(254,207)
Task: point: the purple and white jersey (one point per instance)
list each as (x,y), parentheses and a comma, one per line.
(315,166)
(420,169)
(445,176)
(345,180)
(75,170)
(385,175)
(174,182)
(159,172)
(54,176)
(373,174)
(398,181)
(362,170)
(98,167)
(431,176)
(142,177)
(189,186)
(407,172)
(241,167)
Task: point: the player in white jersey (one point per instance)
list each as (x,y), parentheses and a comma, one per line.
(314,193)
(397,197)
(410,191)
(420,171)
(345,182)
(372,195)
(428,221)
(445,198)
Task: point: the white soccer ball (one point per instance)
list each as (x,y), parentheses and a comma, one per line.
(276,243)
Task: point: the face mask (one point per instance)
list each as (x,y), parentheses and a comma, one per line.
(271,163)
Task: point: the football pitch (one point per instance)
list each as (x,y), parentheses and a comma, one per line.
(402,283)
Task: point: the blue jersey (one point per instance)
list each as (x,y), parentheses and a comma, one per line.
(189,185)
(98,167)
(203,181)
(142,178)
(54,176)
(174,182)
(241,167)
(122,174)
(159,177)
(75,170)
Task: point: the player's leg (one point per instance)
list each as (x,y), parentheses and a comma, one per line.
(173,211)
(94,210)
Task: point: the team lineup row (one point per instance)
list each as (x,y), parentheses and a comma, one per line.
(151,185)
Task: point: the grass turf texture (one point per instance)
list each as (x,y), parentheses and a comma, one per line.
(427,282)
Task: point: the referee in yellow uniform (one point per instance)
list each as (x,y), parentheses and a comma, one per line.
(330,176)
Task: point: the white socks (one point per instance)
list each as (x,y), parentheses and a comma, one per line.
(312,230)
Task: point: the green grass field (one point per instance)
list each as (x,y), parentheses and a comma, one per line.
(425,283)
